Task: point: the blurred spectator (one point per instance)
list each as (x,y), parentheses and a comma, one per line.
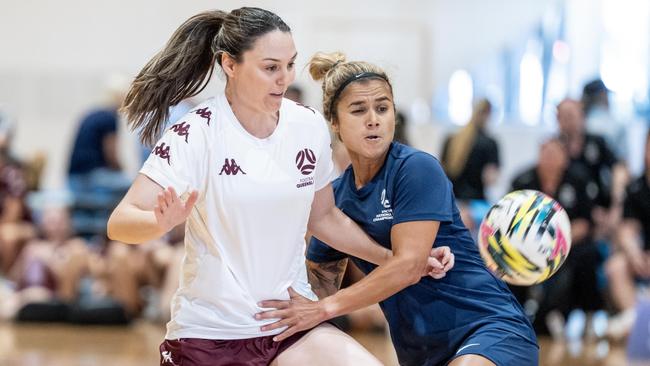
(606,175)
(471,157)
(95,177)
(15,226)
(49,268)
(13,185)
(401,123)
(600,122)
(631,262)
(58,277)
(575,284)
(294,92)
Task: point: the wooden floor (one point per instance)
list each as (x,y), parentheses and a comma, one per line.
(137,345)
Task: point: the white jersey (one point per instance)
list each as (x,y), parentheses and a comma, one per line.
(244,239)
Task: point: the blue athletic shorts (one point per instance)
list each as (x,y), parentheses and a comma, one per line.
(502,348)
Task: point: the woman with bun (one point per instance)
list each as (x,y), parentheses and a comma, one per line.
(402,198)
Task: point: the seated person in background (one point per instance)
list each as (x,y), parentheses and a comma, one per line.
(15,220)
(59,277)
(50,267)
(631,261)
(574,285)
(95,176)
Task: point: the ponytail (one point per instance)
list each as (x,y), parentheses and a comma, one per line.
(181,70)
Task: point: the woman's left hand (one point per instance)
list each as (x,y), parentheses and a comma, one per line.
(297,314)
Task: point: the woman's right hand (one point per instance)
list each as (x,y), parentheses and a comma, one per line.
(171,210)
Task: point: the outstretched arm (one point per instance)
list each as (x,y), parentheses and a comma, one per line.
(147,212)
(330,225)
(411,246)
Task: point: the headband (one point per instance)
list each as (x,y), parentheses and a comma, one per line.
(363,75)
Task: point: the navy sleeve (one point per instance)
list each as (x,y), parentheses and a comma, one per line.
(319,252)
(422,191)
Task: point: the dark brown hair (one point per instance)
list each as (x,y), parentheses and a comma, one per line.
(184,67)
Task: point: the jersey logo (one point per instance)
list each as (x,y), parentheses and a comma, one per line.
(181,129)
(231,168)
(306,161)
(384,201)
(162,151)
(386,212)
(167,357)
(204,113)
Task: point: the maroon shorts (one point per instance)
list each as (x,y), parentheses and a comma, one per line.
(209,352)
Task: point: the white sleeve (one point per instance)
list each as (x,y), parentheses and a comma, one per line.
(180,157)
(324,172)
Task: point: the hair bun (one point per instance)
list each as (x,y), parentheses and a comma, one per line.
(323,62)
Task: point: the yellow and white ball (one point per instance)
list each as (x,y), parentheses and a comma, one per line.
(525,237)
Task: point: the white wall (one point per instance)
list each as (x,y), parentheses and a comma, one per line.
(55,55)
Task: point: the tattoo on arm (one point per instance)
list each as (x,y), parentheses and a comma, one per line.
(325,278)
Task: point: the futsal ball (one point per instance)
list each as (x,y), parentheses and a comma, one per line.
(525,237)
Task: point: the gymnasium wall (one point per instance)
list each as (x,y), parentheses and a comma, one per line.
(56,56)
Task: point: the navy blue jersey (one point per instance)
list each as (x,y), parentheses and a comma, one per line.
(429,321)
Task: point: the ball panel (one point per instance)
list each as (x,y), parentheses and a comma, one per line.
(525,237)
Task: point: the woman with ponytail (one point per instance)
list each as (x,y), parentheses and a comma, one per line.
(471,157)
(249,172)
(402,198)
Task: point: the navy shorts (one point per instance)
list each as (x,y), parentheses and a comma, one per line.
(502,348)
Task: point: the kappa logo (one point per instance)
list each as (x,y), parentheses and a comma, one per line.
(306,161)
(162,151)
(231,168)
(167,357)
(181,129)
(204,113)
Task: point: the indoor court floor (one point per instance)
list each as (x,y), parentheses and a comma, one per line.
(137,345)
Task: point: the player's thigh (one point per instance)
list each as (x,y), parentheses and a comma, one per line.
(325,345)
(471,360)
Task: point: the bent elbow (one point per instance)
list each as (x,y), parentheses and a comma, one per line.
(413,271)
(414,278)
(110,230)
